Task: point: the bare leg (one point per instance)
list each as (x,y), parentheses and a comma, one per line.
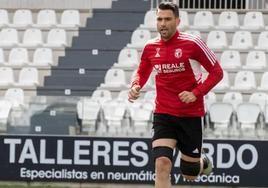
(163,164)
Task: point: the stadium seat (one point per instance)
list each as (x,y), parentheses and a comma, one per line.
(56,38)
(102,95)
(224,84)
(149,85)
(150,96)
(194,32)
(46,18)
(2,57)
(22,19)
(230,60)
(139,38)
(149,20)
(234,98)
(253,21)
(248,116)
(18,57)
(114,112)
(217,40)
(221,122)
(228,21)
(203,20)
(114,78)
(28,77)
(128,58)
(4,20)
(5,108)
(259,98)
(70,19)
(9,38)
(242,40)
(16,97)
(264,82)
(7,77)
(184,20)
(42,57)
(244,81)
(88,111)
(262,43)
(32,38)
(256,60)
(209,98)
(122,96)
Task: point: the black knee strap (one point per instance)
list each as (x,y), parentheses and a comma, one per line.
(162,151)
(190,168)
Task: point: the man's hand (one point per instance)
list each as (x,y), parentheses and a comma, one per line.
(187,97)
(134,93)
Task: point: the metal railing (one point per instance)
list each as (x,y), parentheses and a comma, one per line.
(217,4)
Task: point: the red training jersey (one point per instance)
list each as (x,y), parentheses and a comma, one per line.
(177,63)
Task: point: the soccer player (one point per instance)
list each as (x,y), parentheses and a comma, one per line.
(177,58)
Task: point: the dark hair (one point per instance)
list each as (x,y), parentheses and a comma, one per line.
(169,6)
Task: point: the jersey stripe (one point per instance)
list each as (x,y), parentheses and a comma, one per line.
(201,44)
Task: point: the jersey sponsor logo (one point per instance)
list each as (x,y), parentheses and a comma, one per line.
(170,67)
(178,53)
(157,52)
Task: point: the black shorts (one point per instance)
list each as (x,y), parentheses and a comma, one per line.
(186,130)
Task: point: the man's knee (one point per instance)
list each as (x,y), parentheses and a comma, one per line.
(190,170)
(162,151)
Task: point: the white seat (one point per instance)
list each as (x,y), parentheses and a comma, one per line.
(4,20)
(70,19)
(5,108)
(149,20)
(203,20)
(264,82)
(2,56)
(114,78)
(244,81)
(209,98)
(242,40)
(256,60)
(262,43)
(46,18)
(224,84)
(266,114)
(7,76)
(128,58)
(122,95)
(32,38)
(228,21)
(194,32)
(88,111)
(217,40)
(234,98)
(9,38)
(247,116)
(102,95)
(114,112)
(18,57)
(150,96)
(43,57)
(28,77)
(56,38)
(259,98)
(253,21)
(141,116)
(149,85)
(139,37)
(230,60)
(16,97)
(22,19)
(184,20)
(221,122)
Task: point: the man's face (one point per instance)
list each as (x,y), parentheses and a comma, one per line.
(166,23)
